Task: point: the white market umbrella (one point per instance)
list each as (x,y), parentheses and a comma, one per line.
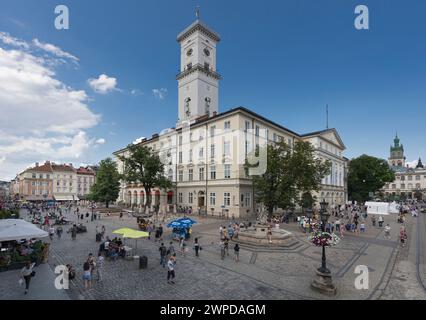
(17,229)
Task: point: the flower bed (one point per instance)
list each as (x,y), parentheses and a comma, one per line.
(12,260)
(326,239)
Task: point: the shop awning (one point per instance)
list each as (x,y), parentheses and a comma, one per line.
(66,198)
(39,198)
(17,229)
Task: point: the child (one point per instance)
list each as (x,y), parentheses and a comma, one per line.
(363,227)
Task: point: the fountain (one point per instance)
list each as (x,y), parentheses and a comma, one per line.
(258,235)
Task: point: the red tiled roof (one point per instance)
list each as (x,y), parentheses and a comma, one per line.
(43,168)
(87,171)
(62,167)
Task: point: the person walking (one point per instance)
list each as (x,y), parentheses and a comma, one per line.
(387,232)
(87,275)
(197,247)
(100,267)
(59,231)
(181,246)
(51,232)
(222,249)
(237,252)
(27,273)
(73,232)
(171,269)
(160,231)
(163,255)
(171,250)
(226,244)
(403,236)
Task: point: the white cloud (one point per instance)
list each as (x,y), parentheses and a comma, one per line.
(100,141)
(40,116)
(6,38)
(412,164)
(138,140)
(56,51)
(160,94)
(103,84)
(136,92)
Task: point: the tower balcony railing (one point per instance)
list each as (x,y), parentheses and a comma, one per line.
(199,67)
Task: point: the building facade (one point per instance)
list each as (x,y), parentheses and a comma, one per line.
(205,153)
(85,181)
(410,183)
(51,181)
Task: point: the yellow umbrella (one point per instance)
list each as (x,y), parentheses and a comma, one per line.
(131,234)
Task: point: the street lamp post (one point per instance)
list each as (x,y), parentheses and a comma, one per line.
(324,215)
(323,281)
(93,207)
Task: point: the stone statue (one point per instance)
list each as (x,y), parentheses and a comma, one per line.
(187,110)
(208,100)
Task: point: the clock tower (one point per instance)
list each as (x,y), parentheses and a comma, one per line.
(198,80)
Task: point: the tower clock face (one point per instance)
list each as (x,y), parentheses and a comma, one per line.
(206,52)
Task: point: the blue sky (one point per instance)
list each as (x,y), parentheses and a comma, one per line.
(283,59)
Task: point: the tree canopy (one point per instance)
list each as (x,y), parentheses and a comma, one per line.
(107,186)
(291,176)
(143,166)
(367,175)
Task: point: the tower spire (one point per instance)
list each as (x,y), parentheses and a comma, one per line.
(197,12)
(326,110)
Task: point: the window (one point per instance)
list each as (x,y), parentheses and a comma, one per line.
(212,150)
(257,131)
(201,173)
(212,199)
(403,186)
(201,153)
(227,148)
(191,174)
(418,186)
(34,176)
(170,175)
(212,130)
(227,171)
(41,176)
(57,183)
(248,199)
(33,192)
(410,186)
(180,175)
(180,197)
(402,178)
(47,176)
(33,183)
(274,137)
(227,125)
(227,199)
(190,155)
(418,178)
(410,178)
(180,156)
(213,172)
(180,140)
(190,197)
(247,125)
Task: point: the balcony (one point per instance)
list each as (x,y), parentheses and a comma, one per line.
(199,67)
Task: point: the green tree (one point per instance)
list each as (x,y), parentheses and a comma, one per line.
(107,185)
(367,175)
(290,173)
(143,166)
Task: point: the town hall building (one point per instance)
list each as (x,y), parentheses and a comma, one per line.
(205,153)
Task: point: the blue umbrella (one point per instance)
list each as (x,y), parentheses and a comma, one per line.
(175,224)
(187,221)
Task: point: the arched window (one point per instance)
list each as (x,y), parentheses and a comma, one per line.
(170,175)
